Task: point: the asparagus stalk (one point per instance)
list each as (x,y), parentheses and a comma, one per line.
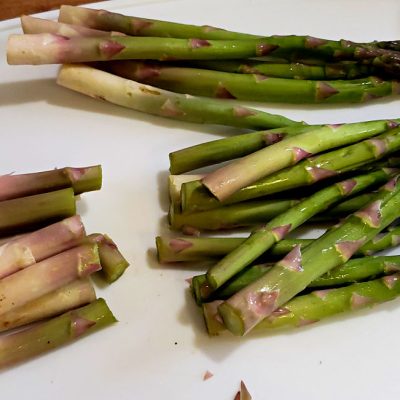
(294,70)
(253,87)
(265,237)
(38,25)
(39,245)
(54,333)
(227,180)
(307,172)
(130,94)
(294,273)
(68,297)
(274,45)
(113,263)
(310,308)
(80,179)
(356,270)
(135,26)
(187,248)
(175,183)
(26,212)
(232,216)
(220,150)
(46,276)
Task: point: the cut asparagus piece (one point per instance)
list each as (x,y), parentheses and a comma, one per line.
(31,211)
(174,187)
(80,179)
(226,149)
(38,25)
(296,70)
(113,263)
(22,345)
(292,274)
(130,94)
(310,308)
(253,87)
(232,216)
(24,251)
(265,237)
(195,197)
(68,297)
(46,276)
(225,181)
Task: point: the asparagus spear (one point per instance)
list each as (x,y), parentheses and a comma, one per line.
(227,180)
(105,86)
(187,248)
(50,274)
(39,245)
(265,237)
(252,87)
(294,70)
(294,273)
(232,216)
(34,210)
(174,187)
(68,297)
(307,172)
(310,308)
(113,263)
(135,26)
(54,333)
(276,45)
(80,179)
(38,25)
(220,150)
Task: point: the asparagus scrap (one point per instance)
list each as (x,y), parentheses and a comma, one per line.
(39,245)
(68,297)
(30,211)
(70,326)
(294,273)
(46,276)
(187,248)
(80,179)
(225,181)
(310,308)
(265,237)
(104,86)
(253,87)
(194,196)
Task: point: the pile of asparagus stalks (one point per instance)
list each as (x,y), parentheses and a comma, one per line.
(281,175)
(46,295)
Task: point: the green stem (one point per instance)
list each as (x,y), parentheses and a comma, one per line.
(30,342)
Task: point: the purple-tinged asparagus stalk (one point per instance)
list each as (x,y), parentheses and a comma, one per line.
(31,211)
(28,249)
(227,180)
(81,180)
(74,324)
(38,25)
(113,263)
(248,307)
(46,276)
(310,308)
(123,92)
(68,297)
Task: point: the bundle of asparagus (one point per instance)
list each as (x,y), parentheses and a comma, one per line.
(204,61)
(44,273)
